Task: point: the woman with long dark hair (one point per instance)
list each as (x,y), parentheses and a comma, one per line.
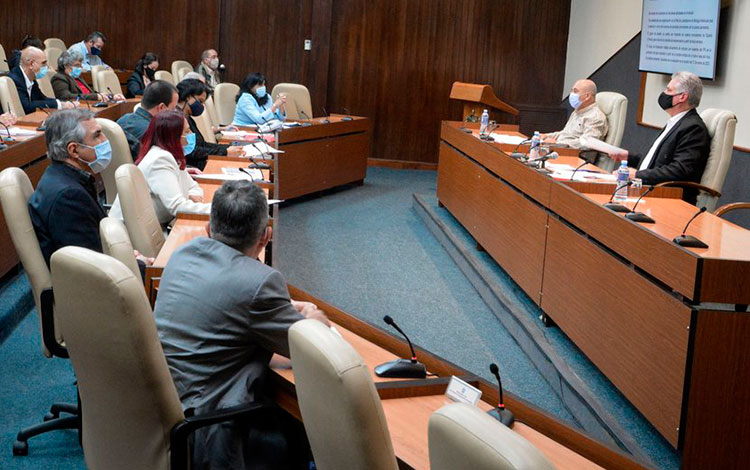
(254,104)
(143,74)
(162,162)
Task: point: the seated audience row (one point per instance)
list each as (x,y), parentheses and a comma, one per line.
(68,83)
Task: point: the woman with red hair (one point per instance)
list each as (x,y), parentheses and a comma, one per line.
(162,161)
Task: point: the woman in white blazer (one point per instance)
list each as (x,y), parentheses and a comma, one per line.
(162,161)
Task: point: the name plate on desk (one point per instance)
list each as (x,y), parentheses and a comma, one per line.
(461,392)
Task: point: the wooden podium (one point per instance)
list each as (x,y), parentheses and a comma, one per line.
(474,95)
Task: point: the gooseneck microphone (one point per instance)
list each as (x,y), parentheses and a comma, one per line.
(10,137)
(640,216)
(500,413)
(613,206)
(325,119)
(347,118)
(689,240)
(519,155)
(577,168)
(401,368)
(304,115)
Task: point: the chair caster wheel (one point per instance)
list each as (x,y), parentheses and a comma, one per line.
(546,320)
(20,448)
(50,417)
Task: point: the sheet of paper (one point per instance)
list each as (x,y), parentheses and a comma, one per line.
(260,149)
(20,131)
(238,134)
(507,138)
(229,174)
(288,125)
(599,146)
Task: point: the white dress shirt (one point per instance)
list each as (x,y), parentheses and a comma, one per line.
(652,151)
(30,83)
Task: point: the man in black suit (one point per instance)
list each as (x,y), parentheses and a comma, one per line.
(681,151)
(33,65)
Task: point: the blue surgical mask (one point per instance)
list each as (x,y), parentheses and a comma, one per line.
(188,149)
(42,72)
(575,100)
(103,156)
(260,92)
(76,72)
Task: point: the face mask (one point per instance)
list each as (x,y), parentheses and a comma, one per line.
(196,108)
(188,149)
(103,156)
(150,73)
(575,100)
(260,92)
(95,50)
(42,72)
(665,100)
(214,63)
(76,72)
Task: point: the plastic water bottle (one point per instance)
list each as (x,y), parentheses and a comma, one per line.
(536,141)
(485,121)
(622,178)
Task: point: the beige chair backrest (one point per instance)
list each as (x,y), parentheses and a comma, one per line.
(15,191)
(128,399)
(120,155)
(204,126)
(180,68)
(340,407)
(116,243)
(53,53)
(9,96)
(721,125)
(56,43)
(211,108)
(615,107)
(298,100)
(164,75)
(45,84)
(463,436)
(107,80)
(95,77)
(3,64)
(224,95)
(138,211)
(136,107)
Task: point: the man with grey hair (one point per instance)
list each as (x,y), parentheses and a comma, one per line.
(209,68)
(64,209)
(680,152)
(587,120)
(221,315)
(194,76)
(90,49)
(33,66)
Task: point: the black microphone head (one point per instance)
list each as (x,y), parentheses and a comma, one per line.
(388,320)
(493,369)
(703,209)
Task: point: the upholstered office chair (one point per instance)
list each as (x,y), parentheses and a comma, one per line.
(299,105)
(180,68)
(340,407)
(15,191)
(211,108)
(720,212)
(164,75)
(203,121)
(53,53)
(463,436)
(615,107)
(721,126)
(116,243)
(56,43)
(95,77)
(224,95)
(120,155)
(140,217)
(3,58)
(132,416)
(108,82)
(9,96)
(45,84)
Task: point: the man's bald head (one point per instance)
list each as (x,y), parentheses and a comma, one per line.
(586,86)
(32,53)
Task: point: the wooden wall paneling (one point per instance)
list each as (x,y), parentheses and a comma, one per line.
(317,71)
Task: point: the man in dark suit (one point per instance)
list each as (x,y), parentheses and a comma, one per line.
(158,96)
(681,151)
(33,65)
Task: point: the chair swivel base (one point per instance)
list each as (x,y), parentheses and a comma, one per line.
(52,422)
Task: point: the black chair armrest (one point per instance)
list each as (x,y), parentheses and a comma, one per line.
(47,301)
(181,431)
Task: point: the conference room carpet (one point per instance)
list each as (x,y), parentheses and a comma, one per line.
(361,248)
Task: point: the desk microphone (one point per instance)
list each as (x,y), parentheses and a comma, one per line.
(540,161)
(325,116)
(518,155)
(499,412)
(10,137)
(640,216)
(42,127)
(347,118)
(304,114)
(401,368)
(111,95)
(689,240)
(613,206)
(577,168)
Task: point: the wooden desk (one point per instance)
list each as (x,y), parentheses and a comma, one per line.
(630,298)
(321,156)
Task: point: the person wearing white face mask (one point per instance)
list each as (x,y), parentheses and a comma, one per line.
(32,67)
(209,68)
(587,120)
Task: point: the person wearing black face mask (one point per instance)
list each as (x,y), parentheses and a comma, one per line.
(192,93)
(681,151)
(143,74)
